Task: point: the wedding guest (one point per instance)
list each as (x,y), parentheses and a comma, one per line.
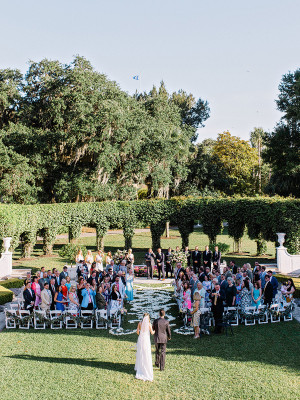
(93,277)
(256,276)
(129,285)
(88,298)
(168,259)
(238,284)
(290,290)
(217,307)
(256,295)
(29,296)
(68,283)
(193,283)
(234,267)
(274,283)
(188,254)
(64,273)
(223,285)
(43,272)
(268,291)
(99,260)
(46,298)
(196,314)
(263,276)
(207,257)
(64,290)
(116,300)
(59,299)
(79,258)
(74,304)
(230,293)
(80,286)
(48,276)
(123,266)
(201,274)
(106,289)
(248,269)
(108,259)
(196,259)
(101,302)
(160,262)
(150,262)
(202,293)
(216,258)
(239,274)
(52,288)
(89,259)
(187,301)
(37,291)
(57,278)
(245,295)
(41,281)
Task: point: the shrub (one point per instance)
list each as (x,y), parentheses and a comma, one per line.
(70,250)
(12,283)
(223,247)
(6,295)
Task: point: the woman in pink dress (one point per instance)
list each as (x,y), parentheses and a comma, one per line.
(187,300)
(37,290)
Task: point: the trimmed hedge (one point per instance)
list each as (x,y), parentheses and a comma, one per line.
(6,295)
(12,283)
(262,217)
(283,278)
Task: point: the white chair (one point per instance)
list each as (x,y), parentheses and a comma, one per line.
(24,323)
(70,321)
(10,322)
(101,319)
(115,320)
(211,319)
(288,317)
(265,318)
(235,320)
(37,322)
(275,308)
(13,306)
(53,315)
(89,324)
(251,311)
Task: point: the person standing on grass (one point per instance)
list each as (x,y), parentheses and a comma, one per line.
(162,334)
(150,262)
(268,292)
(160,262)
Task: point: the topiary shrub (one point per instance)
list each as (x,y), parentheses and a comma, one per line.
(70,250)
(6,295)
(223,247)
(12,283)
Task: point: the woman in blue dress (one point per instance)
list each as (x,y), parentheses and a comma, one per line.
(256,295)
(129,285)
(58,299)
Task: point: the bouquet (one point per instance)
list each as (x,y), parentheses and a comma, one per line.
(179,256)
(119,256)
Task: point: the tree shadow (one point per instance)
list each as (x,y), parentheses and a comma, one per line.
(91,362)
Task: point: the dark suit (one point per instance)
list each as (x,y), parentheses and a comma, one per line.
(217,309)
(196,258)
(63,275)
(52,290)
(188,254)
(169,267)
(29,296)
(216,258)
(268,294)
(274,283)
(160,262)
(207,258)
(90,280)
(223,287)
(150,262)
(162,333)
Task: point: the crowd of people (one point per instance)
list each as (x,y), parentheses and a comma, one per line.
(97,287)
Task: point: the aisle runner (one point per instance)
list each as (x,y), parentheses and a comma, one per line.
(146,300)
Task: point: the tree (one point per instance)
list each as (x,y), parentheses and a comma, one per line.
(283,144)
(10,95)
(257,140)
(238,159)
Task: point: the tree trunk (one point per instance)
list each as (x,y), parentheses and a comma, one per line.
(167,229)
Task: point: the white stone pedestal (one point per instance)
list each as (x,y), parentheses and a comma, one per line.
(5,264)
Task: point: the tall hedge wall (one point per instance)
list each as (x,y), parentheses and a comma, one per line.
(263,217)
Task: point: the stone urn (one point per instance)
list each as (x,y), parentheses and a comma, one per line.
(281,238)
(6,244)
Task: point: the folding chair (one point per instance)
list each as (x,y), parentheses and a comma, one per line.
(89,324)
(53,315)
(101,319)
(234,315)
(204,310)
(10,322)
(264,319)
(275,308)
(24,323)
(37,323)
(71,319)
(250,311)
(285,308)
(116,320)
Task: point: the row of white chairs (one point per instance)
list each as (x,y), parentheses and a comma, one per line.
(67,320)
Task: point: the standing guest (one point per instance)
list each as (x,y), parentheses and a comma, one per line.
(116,300)
(108,259)
(196,315)
(123,266)
(230,293)
(88,298)
(28,277)
(93,277)
(202,292)
(227,273)
(52,288)
(238,284)
(43,272)
(201,274)
(216,258)
(217,307)
(68,283)
(256,295)
(37,291)
(256,276)
(89,259)
(274,283)
(59,299)
(248,269)
(129,285)
(111,274)
(57,278)
(245,295)
(150,262)
(160,262)
(46,298)
(168,259)
(64,289)
(234,267)
(79,258)
(187,301)
(188,254)
(74,304)
(101,302)
(268,291)
(290,290)
(196,258)
(130,259)
(64,273)
(106,288)
(29,297)
(193,283)
(99,260)
(41,281)
(263,276)
(223,285)
(80,286)
(207,257)
(48,276)
(239,274)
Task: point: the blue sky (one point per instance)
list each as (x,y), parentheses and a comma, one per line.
(232,53)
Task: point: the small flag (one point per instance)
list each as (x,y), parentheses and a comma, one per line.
(136,77)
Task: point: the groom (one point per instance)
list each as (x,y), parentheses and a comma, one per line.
(161,336)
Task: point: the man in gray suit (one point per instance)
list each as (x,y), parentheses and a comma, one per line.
(162,334)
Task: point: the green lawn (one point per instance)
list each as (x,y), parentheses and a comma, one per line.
(258,362)
(141,242)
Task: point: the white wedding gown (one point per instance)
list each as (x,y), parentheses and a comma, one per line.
(143,364)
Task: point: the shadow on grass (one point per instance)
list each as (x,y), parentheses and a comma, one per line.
(92,362)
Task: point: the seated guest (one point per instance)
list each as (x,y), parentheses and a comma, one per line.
(46,298)
(230,293)
(59,299)
(74,304)
(100,299)
(29,297)
(88,298)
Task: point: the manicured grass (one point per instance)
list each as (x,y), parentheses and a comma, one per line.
(141,242)
(258,362)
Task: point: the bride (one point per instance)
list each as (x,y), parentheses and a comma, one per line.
(143,364)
